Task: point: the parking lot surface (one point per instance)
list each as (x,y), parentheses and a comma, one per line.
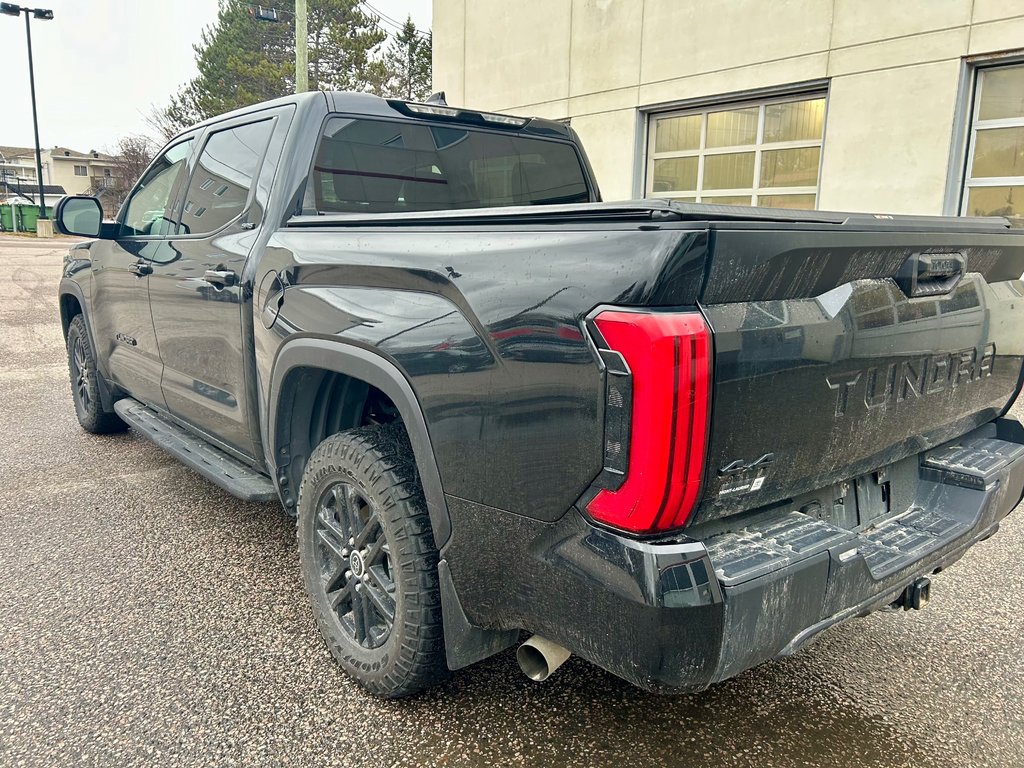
(148,618)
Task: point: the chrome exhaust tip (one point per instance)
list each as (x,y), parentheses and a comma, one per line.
(538,657)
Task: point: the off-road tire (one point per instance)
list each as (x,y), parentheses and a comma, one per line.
(85,390)
(373,467)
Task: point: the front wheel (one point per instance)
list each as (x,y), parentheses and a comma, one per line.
(85,389)
(369,561)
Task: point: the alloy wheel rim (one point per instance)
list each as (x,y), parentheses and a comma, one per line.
(80,373)
(354,565)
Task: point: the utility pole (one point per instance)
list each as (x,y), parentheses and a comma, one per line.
(301,42)
(10,9)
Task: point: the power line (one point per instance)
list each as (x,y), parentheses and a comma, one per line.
(381,21)
(396,25)
(380,14)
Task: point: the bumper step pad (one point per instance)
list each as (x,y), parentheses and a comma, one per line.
(889,545)
(212,463)
(973,463)
(742,555)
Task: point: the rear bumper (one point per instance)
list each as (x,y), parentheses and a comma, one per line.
(681,615)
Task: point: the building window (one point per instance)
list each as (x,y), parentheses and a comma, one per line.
(995,157)
(765,153)
(81,170)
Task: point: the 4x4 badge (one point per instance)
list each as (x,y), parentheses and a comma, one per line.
(735,467)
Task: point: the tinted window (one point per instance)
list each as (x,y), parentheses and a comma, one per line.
(372,166)
(223,176)
(148,211)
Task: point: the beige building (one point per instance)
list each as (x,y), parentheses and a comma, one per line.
(79,172)
(914,106)
(18,165)
(19,184)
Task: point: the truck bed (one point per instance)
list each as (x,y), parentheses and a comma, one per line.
(825,369)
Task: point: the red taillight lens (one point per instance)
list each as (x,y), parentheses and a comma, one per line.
(669,359)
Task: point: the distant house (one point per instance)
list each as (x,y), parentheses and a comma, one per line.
(18,182)
(65,171)
(18,165)
(85,173)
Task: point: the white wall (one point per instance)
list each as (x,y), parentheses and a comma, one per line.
(893,69)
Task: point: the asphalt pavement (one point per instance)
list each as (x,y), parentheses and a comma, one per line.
(148,618)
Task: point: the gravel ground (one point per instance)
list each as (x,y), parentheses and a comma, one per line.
(150,619)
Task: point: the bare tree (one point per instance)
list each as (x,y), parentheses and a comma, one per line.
(178,114)
(131,156)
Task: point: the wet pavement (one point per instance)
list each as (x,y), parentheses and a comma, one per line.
(147,618)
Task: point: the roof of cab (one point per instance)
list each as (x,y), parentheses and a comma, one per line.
(368,104)
(375,106)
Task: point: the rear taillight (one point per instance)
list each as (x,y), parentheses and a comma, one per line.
(656,418)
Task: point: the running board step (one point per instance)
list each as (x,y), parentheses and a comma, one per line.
(212,463)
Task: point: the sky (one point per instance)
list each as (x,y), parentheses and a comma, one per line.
(101,65)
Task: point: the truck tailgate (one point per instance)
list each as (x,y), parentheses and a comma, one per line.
(841,350)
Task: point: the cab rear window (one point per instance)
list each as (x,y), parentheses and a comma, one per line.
(383,166)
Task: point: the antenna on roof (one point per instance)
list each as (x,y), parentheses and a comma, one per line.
(436,98)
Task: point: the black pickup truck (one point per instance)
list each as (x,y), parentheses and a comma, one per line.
(676,440)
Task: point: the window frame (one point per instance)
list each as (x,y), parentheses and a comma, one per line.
(85,169)
(703,108)
(967,182)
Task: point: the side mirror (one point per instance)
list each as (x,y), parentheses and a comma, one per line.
(79,215)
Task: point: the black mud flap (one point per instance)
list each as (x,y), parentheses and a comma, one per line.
(465,643)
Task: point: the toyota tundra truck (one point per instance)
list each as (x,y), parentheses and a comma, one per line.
(676,440)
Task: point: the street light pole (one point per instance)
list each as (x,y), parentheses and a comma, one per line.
(35,118)
(10,9)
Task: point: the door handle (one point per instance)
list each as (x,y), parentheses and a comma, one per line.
(224,278)
(140,268)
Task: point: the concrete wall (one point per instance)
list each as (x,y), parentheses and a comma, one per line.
(893,69)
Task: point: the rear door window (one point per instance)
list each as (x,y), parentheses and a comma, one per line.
(220,184)
(383,166)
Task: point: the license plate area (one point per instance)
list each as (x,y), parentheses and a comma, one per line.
(857,503)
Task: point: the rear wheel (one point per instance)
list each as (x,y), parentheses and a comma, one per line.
(369,561)
(85,388)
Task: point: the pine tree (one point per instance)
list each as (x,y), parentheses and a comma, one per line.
(404,70)
(343,46)
(243,60)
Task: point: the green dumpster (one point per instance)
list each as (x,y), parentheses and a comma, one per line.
(27,215)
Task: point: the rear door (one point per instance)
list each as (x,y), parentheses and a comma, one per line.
(121,320)
(201,298)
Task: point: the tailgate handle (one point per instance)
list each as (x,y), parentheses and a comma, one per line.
(930,274)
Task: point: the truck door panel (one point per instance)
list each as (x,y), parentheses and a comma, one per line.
(199,298)
(121,319)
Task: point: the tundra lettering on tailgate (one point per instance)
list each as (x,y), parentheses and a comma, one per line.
(895,382)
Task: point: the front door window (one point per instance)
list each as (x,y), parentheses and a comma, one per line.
(148,211)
